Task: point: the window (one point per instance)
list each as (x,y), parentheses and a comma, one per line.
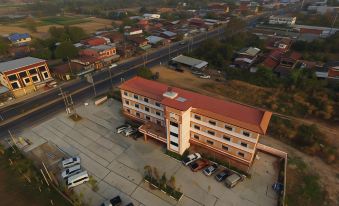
(46,76)
(197,117)
(210,142)
(212,122)
(135,96)
(174,124)
(127,102)
(157,104)
(211,132)
(23,74)
(35,78)
(42,68)
(224,147)
(158,122)
(136,105)
(229,128)
(27,80)
(158,113)
(247,134)
(174,144)
(148,118)
(174,134)
(15,85)
(146,109)
(226,138)
(129,111)
(125,93)
(243,144)
(145,100)
(241,154)
(196,136)
(32,71)
(138,114)
(196,127)
(12,77)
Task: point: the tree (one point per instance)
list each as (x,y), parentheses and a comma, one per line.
(66,50)
(307,135)
(75,33)
(145,73)
(4,45)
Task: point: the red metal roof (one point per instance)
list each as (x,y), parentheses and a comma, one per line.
(240,115)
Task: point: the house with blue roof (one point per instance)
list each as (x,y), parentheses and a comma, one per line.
(20,39)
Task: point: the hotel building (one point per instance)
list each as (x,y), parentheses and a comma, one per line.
(180,119)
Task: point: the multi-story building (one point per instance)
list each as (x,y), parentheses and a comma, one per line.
(25,75)
(286,20)
(181,118)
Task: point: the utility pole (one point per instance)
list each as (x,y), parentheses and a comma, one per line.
(10,134)
(69,104)
(69,66)
(333,23)
(110,76)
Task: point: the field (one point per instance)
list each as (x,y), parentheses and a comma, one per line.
(64,21)
(89,24)
(17,192)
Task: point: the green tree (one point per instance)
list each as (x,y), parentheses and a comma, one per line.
(75,33)
(145,73)
(4,45)
(66,50)
(307,135)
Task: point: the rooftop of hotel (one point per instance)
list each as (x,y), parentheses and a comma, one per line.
(19,63)
(239,115)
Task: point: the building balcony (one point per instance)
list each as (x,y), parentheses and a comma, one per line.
(154,131)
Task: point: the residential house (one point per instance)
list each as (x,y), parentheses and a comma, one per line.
(281,44)
(133,31)
(19,51)
(114,37)
(218,8)
(282,20)
(182,119)
(66,71)
(101,52)
(168,35)
(246,57)
(140,42)
(156,40)
(126,50)
(287,63)
(95,41)
(19,39)
(151,16)
(25,75)
(273,59)
(329,71)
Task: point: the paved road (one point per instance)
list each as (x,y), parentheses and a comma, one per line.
(51,101)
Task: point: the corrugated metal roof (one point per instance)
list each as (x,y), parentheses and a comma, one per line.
(16,36)
(18,63)
(197,63)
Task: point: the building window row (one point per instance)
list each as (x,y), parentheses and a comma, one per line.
(174,124)
(145,99)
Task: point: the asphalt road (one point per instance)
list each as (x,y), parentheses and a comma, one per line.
(50,101)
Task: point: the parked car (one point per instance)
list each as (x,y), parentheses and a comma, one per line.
(183,42)
(232,180)
(122,128)
(205,76)
(116,201)
(223,175)
(199,164)
(130,131)
(77,179)
(208,171)
(70,162)
(190,158)
(112,66)
(71,171)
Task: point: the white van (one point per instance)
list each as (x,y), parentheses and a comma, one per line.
(112,66)
(71,171)
(77,179)
(70,162)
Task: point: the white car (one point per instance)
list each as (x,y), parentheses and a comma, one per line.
(77,179)
(205,76)
(112,66)
(130,131)
(122,128)
(190,158)
(71,171)
(70,162)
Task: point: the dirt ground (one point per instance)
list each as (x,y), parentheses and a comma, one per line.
(92,26)
(328,173)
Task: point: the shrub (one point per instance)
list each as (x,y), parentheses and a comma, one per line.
(307,135)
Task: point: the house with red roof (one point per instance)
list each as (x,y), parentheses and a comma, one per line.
(181,119)
(287,63)
(273,59)
(95,41)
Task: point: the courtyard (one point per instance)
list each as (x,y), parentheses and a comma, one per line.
(117,163)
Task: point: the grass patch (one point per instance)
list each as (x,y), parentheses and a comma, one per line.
(64,21)
(303,187)
(174,155)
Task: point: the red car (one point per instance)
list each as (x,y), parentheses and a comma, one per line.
(199,164)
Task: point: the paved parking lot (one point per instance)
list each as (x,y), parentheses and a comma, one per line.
(117,163)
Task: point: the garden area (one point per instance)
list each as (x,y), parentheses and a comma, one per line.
(23,184)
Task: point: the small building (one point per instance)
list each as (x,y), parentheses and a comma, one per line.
(19,39)
(329,71)
(287,63)
(133,31)
(151,16)
(140,42)
(100,52)
(156,40)
(246,57)
(114,37)
(19,51)
(95,41)
(273,59)
(218,8)
(190,62)
(25,75)
(168,35)
(281,44)
(282,20)
(126,50)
